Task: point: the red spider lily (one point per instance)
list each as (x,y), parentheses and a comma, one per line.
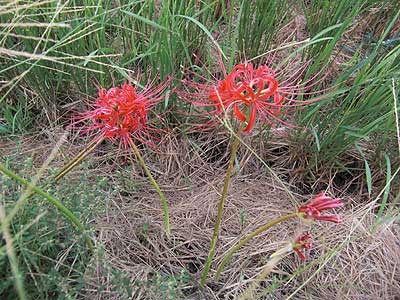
(312,210)
(121,113)
(301,242)
(256,89)
(249,92)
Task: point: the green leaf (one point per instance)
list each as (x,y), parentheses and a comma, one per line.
(144,20)
(367,170)
(206,32)
(316,138)
(387,188)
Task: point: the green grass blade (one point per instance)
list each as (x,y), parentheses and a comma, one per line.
(206,31)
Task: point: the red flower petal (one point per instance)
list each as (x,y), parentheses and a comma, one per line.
(256,89)
(252,119)
(301,242)
(312,210)
(238,113)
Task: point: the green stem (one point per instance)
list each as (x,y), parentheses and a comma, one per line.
(65,211)
(77,159)
(249,237)
(155,185)
(224,194)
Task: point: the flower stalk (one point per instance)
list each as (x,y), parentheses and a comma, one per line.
(301,242)
(155,185)
(224,194)
(77,159)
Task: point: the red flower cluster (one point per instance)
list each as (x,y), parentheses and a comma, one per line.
(312,210)
(254,89)
(301,242)
(249,92)
(122,113)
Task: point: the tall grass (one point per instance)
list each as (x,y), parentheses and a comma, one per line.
(69,48)
(73,46)
(360,109)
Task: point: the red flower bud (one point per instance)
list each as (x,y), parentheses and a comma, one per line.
(312,210)
(301,242)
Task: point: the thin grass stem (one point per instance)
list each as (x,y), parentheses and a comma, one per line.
(19,286)
(77,159)
(275,258)
(155,185)
(396,114)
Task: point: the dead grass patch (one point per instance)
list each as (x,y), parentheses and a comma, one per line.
(366,265)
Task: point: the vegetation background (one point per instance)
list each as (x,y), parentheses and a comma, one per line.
(55,54)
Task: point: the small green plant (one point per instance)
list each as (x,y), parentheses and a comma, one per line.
(36,190)
(49,251)
(167,287)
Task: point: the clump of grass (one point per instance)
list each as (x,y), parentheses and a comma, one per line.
(359,112)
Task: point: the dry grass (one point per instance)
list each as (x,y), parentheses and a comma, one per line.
(353,260)
(365,268)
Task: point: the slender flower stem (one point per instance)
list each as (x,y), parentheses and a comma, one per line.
(65,211)
(77,159)
(155,185)
(224,194)
(250,236)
